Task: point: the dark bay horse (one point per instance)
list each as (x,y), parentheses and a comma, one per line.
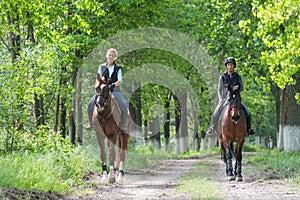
(106,117)
(232,129)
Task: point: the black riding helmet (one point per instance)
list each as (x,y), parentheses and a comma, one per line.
(230,60)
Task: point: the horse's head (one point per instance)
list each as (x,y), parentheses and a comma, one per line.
(234,99)
(102,92)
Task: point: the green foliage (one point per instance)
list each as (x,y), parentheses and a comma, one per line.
(278,28)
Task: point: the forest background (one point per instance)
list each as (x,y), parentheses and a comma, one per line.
(47,74)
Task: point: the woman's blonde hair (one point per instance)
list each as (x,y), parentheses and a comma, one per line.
(112,50)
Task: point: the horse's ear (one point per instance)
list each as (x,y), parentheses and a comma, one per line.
(104,78)
(97,83)
(98,77)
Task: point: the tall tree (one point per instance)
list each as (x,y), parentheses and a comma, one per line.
(279,28)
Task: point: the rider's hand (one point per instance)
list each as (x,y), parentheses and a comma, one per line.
(111,87)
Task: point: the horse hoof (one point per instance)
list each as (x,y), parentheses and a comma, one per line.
(120,178)
(239,179)
(111,177)
(104,178)
(230,178)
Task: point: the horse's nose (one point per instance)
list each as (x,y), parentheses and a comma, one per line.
(235,118)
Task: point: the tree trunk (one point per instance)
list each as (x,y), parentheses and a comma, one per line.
(146,132)
(276,93)
(72,119)
(196,141)
(177,124)
(39,110)
(136,114)
(289,119)
(167,124)
(14,48)
(203,141)
(56,114)
(196,118)
(79,107)
(72,125)
(38,100)
(155,132)
(63,117)
(184,138)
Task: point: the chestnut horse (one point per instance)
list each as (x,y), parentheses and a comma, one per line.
(106,117)
(232,129)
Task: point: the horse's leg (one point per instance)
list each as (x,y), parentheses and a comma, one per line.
(122,147)
(112,156)
(238,165)
(229,169)
(100,139)
(223,154)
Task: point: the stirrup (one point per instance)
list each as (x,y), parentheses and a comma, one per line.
(251,131)
(89,127)
(210,131)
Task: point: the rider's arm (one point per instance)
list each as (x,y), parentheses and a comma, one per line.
(241,83)
(220,89)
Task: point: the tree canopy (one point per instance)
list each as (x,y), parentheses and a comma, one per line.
(44,44)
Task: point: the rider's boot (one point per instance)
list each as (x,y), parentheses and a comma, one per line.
(211,128)
(124,122)
(89,125)
(250,131)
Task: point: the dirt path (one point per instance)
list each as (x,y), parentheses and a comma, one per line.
(157,183)
(256,185)
(160,183)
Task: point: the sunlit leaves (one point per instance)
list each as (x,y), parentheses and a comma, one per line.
(279,29)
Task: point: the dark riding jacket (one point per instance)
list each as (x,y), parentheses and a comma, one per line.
(226,79)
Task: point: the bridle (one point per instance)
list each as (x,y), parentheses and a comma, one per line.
(234,98)
(100,105)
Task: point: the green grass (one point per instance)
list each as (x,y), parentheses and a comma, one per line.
(59,169)
(55,171)
(196,186)
(283,165)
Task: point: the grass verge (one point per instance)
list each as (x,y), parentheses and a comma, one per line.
(278,164)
